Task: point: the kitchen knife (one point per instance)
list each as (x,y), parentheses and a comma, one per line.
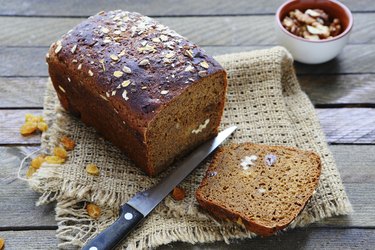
(138,207)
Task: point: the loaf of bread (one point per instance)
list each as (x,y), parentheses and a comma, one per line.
(260,187)
(142,86)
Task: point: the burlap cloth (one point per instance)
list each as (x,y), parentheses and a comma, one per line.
(266,103)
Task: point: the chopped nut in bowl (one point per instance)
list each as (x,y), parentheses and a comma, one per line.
(313,31)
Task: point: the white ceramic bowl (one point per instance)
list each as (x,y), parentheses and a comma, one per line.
(314,52)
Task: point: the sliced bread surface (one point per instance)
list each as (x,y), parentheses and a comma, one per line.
(260,187)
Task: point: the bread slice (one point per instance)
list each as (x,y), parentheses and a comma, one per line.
(260,187)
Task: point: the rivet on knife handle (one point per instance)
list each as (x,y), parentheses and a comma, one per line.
(113,235)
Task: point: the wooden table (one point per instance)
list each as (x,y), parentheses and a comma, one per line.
(342,90)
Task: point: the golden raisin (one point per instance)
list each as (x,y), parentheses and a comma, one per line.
(60,152)
(29,173)
(178,194)
(92,169)
(68,143)
(30,118)
(2,243)
(37,161)
(28,128)
(54,159)
(39,118)
(93,210)
(42,126)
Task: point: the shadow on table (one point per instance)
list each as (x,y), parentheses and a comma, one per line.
(325,86)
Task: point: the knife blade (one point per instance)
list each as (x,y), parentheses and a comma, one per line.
(138,207)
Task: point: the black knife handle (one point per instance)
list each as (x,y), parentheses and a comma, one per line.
(113,235)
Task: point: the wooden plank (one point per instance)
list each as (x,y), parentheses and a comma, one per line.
(355,164)
(206,31)
(348,125)
(307,238)
(155,7)
(10,123)
(361,198)
(321,89)
(29,240)
(17,199)
(22,92)
(341,125)
(29,61)
(304,238)
(354,59)
(339,89)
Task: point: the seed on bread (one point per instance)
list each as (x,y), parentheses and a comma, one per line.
(144,62)
(58,47)
(105,30)
(114,57)
(118,73)
(204,64)
(126,70)
(73,50)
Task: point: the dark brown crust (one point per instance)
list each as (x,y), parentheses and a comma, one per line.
(156,76)
(227,214)
(83,61)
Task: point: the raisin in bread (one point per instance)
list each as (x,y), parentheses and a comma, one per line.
(260,187)
(145,88)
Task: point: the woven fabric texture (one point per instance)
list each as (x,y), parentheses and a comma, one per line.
(266,103)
